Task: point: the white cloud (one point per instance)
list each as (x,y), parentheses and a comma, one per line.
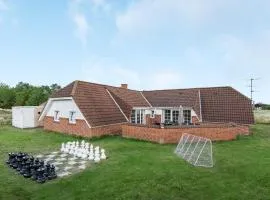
(105,70)
(80,21)
(149,14)
(82,27)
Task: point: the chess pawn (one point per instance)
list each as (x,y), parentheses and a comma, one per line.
(82,144)
(91,155)
(91,146)
(97,158)
(66,148)
(72,151)
(62,147)
(77,144)
(77,154)
(103,156)
(87,145)
(97,148)
(84,154)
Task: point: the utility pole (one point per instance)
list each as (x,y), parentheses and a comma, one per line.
(252,89)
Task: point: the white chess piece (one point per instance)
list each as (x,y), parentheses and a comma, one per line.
(71,151)
(103,156)
(77,143)
(84,154)
(76,152)
(87,145)
(66,148)
(97,155)
(91,155)
(62,147)
(82,144)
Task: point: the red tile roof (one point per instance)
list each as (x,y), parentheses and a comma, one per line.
(94,102)
(225,104)
(127,99)
(174,98)
(217,104)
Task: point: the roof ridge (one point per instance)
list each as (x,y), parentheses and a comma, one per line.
(105,85)
(74,88)
(196,88)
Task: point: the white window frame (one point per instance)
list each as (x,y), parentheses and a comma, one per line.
(141,113)
(70,119)
(184,120)
(56,117)
(179,117)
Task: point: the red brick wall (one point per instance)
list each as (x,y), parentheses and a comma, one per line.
(80,128)
(173,135)
(152,121)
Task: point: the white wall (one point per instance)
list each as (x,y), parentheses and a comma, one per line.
(64,107)
(25,116)
(17,117)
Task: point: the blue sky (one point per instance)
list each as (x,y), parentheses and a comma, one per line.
(149,44)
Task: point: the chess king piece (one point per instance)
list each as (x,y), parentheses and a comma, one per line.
(103,156)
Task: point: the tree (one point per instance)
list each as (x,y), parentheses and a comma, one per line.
(38,95)
(23,91)
(7,96)
(54,87)
(25,94)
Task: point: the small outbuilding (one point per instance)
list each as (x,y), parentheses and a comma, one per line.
(26,116)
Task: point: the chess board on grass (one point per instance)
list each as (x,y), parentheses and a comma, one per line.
(65,164)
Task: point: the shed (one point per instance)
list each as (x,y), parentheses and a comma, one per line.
(25,116)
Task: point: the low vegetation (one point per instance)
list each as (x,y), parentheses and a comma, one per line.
(143,170)
(262,116)
(5,117)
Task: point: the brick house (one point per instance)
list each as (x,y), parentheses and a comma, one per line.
(90,109)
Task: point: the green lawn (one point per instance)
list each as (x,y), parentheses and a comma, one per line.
(142,170)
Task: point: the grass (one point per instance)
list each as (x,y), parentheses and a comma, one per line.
(142,170)
(5,116)
(262,116)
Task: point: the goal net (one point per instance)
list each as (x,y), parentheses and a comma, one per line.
(195,150)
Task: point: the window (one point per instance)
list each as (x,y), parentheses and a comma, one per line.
(175,116)
(56,116)
(187,116)
(167,116)
(152,114)
(137,116)
(133,116)
(72,117)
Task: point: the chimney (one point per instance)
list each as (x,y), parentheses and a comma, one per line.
(125,86)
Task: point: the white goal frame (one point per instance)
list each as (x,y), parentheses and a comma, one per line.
(195,150)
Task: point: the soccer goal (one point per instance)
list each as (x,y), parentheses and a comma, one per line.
(195,150)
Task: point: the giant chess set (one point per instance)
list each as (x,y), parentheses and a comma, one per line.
(73,157)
